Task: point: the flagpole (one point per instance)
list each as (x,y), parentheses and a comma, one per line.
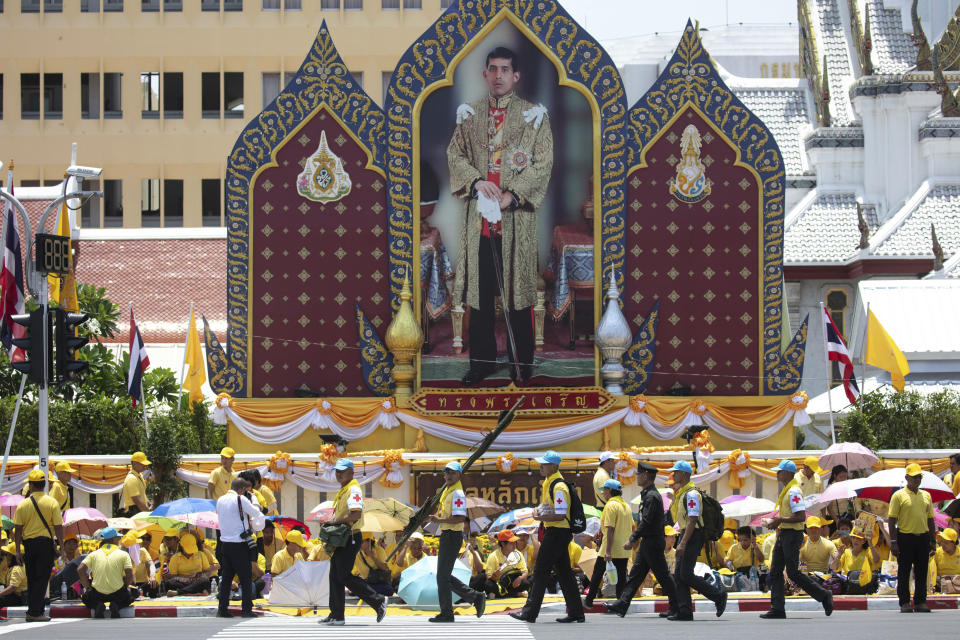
(13,425)
(143,404)
(186,345)
(6,203)
(863,357)
(826,357)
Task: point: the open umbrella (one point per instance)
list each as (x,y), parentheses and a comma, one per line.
(323,511)
(184,505)
(953,509)
(477,525)
(746,507)
(6,522)
(510,518)
(9,502)
(666,497)
(160,521)
(380,523)
(591,511)
(418,582)
(588,558)
(122,524)
(286,524)
(852,455)
(882,485)
(389,506)
(83,521)
(202,519)
(304,584)
(478,507)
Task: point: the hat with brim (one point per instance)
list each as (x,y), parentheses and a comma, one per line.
(606,455)
(453,465)
(950,535)
(613,485)
(227,452)
(188,544)
(343,464)
(682,466)
(108,533)
(913,469)
(64,467)
(814,522)
(786,465)
(813,463)
(550,457)
(646,467)
(140,457)
(35,476)
(416,535)
(670,531)
(296,538)
(507,535)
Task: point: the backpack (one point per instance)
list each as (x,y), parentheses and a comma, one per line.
(711,517)
(575,515)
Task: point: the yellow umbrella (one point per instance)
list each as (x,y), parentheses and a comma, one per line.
(374,522)
(588,558)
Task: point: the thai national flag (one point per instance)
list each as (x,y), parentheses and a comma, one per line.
(138,362)
(11,281)
(837,352)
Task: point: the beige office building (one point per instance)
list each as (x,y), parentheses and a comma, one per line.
(156,91)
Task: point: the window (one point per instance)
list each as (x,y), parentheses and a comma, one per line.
(173,203)
(233,5)
(210,94)
(353,5)
(330,5)
(385,84)
(233,94)
(293,5)
(389,4)
(149,6)
(412,4)
(53,96)
(150,202)
(270,87)
(90,209)
(172,95)
(270,5)
(90,96)
(150,94)
(445,4)
(90,6)
(112,5)
(30,96)
(210,202)
(52,6)
(358,78)
(112,203)
(29,6)
(1,91)
(209,5)
(111,96)
(173,5)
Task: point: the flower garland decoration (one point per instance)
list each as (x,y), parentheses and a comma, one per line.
(329,454)
(277,467)
(637,403)
(506,463)
(393,465)
(626,468)
(739,468)
(702,448)
(799,400)
(220,406)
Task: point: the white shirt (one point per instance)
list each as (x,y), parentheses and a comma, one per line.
(231,524)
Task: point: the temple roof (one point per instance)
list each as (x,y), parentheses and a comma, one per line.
(831,37)
(823,232)
(785,111)
(893,50)
(910,235)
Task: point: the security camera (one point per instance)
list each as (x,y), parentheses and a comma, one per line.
(78,171)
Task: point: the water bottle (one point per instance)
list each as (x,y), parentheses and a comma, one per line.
(754,579)
(214,587)
(63,590)
(267,579)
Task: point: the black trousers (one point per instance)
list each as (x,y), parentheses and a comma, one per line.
(38,557)
(483,342)
(118,599)
(447,552)
(685,578)
(786,555)
(914,554)
(650,557)
(554,556)
(235,561)
(11,600)
(341,576)
(599,568)
(188,588)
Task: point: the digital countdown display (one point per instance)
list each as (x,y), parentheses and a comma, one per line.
(53,254)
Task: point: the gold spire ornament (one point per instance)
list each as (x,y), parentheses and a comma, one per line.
(323,178)
(404,339)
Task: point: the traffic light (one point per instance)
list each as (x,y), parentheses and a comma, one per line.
(32,344)
(68,343)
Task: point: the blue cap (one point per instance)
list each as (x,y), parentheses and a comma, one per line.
(550,457)
(786,465)
(613,484)
(453,465)
(343,464)
(681,465)
(108,533)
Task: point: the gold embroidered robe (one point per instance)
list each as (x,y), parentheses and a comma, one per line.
(468,156)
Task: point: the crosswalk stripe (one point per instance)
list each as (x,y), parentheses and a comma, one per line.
(17,627)
(361,627)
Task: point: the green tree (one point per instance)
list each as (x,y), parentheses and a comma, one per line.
(163,448)
(883,419)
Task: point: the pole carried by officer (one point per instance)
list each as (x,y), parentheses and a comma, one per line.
(452,517)
(650,554)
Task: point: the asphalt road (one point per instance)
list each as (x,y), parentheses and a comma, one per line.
(842,624)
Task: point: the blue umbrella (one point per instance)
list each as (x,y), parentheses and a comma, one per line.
(418,583)
(510,518)
(183,506)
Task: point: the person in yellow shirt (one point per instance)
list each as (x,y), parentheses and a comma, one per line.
(954,480)
(220,478)
(947,558)
(59,488)
(202,548)
(7,561)
(744,555)
(291,553)
(857,563)
(144,571)
(112,572)
(819,553)
(189,571)
(505,571)
(616,523)
(605,471)
(670,540)
(416,550)
(65,566)
(133,497)
(912,538)
(272,542)
(372,567)
(809,476)
(38,527)
(14,592)
(528,546)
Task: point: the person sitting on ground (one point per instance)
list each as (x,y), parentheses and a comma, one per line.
(65,567)
(371,565)
(575,551)
(947,557)
(14,594)
(818,552)
(416,550)
(112,576)
(6,562)
(169,545)
(727,541)
(258,571)
(505,572)
(272,543)
(203,548)
(471,557)
(144,571)
(528,545)
(290,554)
(746,554)
(189,570)
(838,509)
(857,563)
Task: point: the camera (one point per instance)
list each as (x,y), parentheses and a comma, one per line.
(78,171)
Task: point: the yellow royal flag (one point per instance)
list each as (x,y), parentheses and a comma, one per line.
(66,295)
(866,575)
(884,353)
(196,372)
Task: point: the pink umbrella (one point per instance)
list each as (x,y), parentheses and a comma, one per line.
(844,490)
(758,521)
(322,512)
(730,499)
(940,519)
(83,521)
(852,455)
(202,519)
(9,502)
(882,485)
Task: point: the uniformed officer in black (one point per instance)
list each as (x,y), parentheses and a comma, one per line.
(650,555)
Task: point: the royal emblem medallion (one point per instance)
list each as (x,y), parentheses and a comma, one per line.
(691,184)
(323,178)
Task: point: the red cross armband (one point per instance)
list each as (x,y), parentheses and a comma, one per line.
(458,503)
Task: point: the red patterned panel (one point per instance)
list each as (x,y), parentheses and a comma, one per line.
(701,260)
(311,263)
